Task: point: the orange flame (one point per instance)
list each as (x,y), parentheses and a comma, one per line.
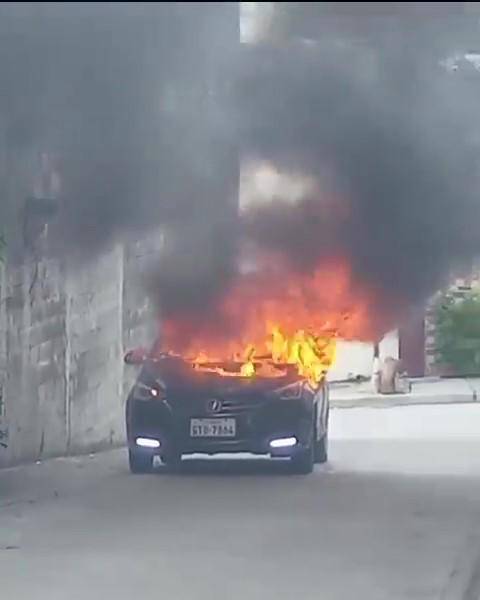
(270,320)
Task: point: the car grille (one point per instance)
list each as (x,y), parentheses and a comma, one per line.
(232,406)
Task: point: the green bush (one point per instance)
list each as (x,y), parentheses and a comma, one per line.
(457,338)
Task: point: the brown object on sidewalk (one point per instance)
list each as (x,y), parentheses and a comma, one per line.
(393,379)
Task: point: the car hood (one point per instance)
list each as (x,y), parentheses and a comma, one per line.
(180,377)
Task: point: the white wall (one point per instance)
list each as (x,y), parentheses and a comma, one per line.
(352,359)
(356,358)
(389,346)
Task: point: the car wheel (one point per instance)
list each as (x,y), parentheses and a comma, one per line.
(303,461)
(321,450)
(140,462)
(321,445)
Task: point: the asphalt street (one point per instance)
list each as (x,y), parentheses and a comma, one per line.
(394,515)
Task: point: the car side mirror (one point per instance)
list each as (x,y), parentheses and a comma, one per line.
(135,357)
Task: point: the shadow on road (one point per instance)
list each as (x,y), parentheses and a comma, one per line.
(233,467)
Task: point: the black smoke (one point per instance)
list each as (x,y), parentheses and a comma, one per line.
(372,103)
(147,108)
(118,94)
(397,129)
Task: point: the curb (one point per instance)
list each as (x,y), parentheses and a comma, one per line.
(388,401)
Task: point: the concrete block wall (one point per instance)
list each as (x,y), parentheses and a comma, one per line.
(63,327)
(94,368)
(431,366)
(35,390)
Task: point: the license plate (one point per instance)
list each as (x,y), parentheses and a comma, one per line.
(212,428)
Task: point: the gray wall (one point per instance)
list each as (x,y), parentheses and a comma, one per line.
(63,328)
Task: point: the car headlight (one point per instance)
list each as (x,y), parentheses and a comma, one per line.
(156,391)
(293,391)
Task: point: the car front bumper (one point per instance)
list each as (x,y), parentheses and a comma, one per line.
(255,429)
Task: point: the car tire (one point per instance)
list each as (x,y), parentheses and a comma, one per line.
(140,462)
(321,450)
(321,445)
(303,461)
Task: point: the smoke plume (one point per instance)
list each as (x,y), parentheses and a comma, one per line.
(148,108)
(112,91)
(388,137)
(401,197)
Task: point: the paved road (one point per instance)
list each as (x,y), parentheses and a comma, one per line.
(395,515)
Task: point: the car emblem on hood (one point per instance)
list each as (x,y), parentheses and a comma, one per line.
(214,405)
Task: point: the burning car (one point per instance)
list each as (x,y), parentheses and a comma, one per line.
(262,406)
(248,374)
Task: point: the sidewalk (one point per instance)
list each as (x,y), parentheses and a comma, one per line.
(428,390)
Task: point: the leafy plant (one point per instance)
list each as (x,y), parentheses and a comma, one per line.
(458,332)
